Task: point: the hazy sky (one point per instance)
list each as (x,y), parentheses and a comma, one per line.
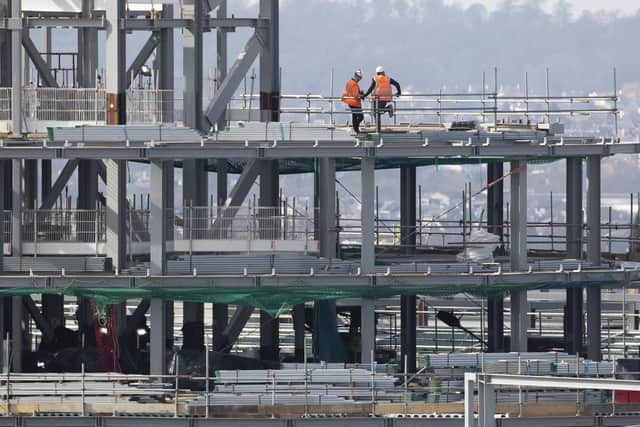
(624,6)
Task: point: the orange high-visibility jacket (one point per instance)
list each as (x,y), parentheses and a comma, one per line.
(382,91)
(351,94)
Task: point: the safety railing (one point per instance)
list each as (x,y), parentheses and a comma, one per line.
(64,225)
(89,105)
(494,108)
(64,104)
(241,223)
(289,224)
(150,106)
(5,103)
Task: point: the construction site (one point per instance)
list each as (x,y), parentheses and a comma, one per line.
(235,286)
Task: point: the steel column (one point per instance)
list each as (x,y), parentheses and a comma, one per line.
(17,333)
(88,50)
(164,63)
(594,309)
(115,81)
(88,182)
(408,242)
(298,314)
(367,255)
(160,187)
(574,317)
(495,219)
(222,55)
(519,304)
(5,48)
(16,207)
(192,60)
(408,209)
(270,62)
(116,213)
(16,71)
(158,338)
(269,198)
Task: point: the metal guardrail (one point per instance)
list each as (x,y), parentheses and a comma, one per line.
(89,105)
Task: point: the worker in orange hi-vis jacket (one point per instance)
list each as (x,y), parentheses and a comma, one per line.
(382,92)
(352,96)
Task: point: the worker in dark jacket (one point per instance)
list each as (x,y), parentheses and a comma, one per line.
(352,96)
(382,92)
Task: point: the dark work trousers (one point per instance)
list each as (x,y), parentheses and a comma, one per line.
(357,118)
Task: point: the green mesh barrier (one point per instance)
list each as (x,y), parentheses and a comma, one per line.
(281,299)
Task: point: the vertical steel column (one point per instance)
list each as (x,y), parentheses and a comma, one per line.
(298,314)
(594,310)
(574,304)
(116,213)
(222,54)
(495,218)
(158,337)
(87,68)
(16,208)
(367,255)
(408,209)
(270,62)
(161,177)
(3,300)
(221,311)
(88,182)
(115,80)
(30,185)
(408,242)
(5,47)
(87,49)
(192,57)
(164,58)
(269,200)
(16,70)
(17,333)
(519,304)
(327,342)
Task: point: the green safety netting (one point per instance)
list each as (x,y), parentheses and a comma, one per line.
(277,300)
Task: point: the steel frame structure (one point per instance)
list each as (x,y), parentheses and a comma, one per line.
(19,151)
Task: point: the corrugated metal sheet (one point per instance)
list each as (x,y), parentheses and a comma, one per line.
(54,264)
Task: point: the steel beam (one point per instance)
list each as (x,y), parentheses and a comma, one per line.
(65,174)
(235,326)
(215,110)
(519,304)
(594,303)
(141,58)
(41,65)
(40,320)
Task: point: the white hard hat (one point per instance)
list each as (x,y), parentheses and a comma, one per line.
(358,73)
(379,69)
